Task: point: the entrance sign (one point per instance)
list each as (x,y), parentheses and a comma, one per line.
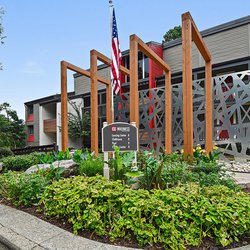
(121,134)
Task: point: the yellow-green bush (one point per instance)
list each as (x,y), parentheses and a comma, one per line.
(175,218)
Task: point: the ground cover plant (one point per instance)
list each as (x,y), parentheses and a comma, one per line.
(176,205)
(175,217)
(21,188)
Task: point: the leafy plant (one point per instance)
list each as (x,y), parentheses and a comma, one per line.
(200,155)
(173,218)
(61,155)
(51,174)
(19,162)
(22,188)
(78,122)
(152,168)
(91,165)
(4,152)
(122,166)
(47,158)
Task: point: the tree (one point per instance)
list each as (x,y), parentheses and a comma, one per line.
(1,30)
(172,34)
(12,132)
(78,123)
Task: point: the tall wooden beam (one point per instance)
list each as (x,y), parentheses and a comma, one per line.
(187,86)
(189,33)
(94,102)
(209,106)
(109,113)
(64,106)
(168,113)
(134,98)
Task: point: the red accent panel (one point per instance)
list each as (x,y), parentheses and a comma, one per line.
(30,118)
(122,75)
(30,138)
(154,71)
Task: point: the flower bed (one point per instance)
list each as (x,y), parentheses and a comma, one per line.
(176,217)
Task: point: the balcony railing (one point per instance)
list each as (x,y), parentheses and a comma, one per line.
(49,126)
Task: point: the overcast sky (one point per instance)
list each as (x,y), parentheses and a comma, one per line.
(42,33)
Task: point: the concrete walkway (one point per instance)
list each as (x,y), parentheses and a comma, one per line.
(22,231)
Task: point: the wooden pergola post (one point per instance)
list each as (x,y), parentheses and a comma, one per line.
(187,86)
(190,33)
(94,102)
(64,106)
(134,98)
(137,44)
(94,79)
(64,97)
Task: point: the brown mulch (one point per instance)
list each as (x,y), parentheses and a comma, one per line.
(207,243)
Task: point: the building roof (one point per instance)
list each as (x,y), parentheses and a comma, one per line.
(211,31)
(48,99)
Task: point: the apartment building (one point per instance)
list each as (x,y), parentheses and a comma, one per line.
(229,45)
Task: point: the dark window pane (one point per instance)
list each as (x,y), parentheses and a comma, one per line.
(87,101)
(30,110)
(146,68)
(30,130)
(103,98)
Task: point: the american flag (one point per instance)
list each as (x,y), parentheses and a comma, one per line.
(116,58)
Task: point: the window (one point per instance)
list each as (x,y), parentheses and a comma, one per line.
(143,66)
(86,101)
(30,110)
(125,63)
(30,130)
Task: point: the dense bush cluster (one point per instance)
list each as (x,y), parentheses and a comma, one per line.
(175,217)
(4,152)
(19,162)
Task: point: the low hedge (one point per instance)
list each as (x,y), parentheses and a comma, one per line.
(19,162)
(175,218)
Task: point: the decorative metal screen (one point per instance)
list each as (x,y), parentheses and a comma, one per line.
(231,114)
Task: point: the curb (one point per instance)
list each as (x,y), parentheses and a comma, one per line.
(22,231)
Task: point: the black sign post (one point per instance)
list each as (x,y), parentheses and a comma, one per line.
(121,134)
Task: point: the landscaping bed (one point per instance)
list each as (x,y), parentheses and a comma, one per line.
(174,206)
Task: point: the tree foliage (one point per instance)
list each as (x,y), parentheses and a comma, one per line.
(78,123)
(12,133)
(172,34)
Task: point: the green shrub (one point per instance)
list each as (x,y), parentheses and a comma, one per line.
(174,218)
(52,173)
(22,188)
(4,152)
(43,158)
(91,166)
(19,162)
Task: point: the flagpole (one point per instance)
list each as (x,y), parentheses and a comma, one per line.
(111,6)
